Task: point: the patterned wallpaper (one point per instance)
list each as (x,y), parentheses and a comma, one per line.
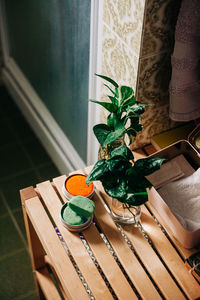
(122,27)
(120,47)
(137,43)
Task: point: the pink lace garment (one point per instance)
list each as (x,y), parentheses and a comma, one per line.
(185,80)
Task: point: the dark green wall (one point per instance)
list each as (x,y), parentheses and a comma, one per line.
(49,41)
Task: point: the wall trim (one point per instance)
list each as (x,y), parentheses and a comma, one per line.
(37,115)
(96,24)
(41,121)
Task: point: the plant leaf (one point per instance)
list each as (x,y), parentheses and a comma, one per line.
(136,181)
(123,151)
(115,93)
(109,106)
(110,89)
(112,136)
(137,199)
(117,122)
(131,101)
(113,122)
(131,134)
(108,79)
(124,120)
(109,180)
(126,92)
(101,132)
(114,100)
(118,164)
(110,121)
(138,184)
(136,109)
(119,191)
(148,165)
(99,170)
(135,124)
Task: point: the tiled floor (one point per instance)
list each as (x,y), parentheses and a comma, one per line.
(23,162)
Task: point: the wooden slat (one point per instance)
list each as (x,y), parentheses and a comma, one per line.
(183,251)
(153,263)
(61,180)
(170,256)
(36,250)
(68,277)
(108,264)
(58,183)
(148,256)
(50,265)
(105,259)
(188,290)
(47,285)
(74,243)
(125,255)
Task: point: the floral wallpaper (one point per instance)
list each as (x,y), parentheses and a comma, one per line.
(159,26)
(125,17)
(120,47)
(118,59)
(137,42)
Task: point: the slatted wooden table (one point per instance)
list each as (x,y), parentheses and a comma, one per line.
(106,261)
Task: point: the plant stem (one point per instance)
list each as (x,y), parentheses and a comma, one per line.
(128,207)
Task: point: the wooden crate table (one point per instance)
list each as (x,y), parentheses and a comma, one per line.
(105,261)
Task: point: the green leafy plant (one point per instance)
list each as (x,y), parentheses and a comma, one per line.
(123,118)
(123,178)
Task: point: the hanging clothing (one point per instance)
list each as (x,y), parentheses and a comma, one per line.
(185,81)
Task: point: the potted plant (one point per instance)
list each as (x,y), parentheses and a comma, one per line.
(122,177)
(123,118)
